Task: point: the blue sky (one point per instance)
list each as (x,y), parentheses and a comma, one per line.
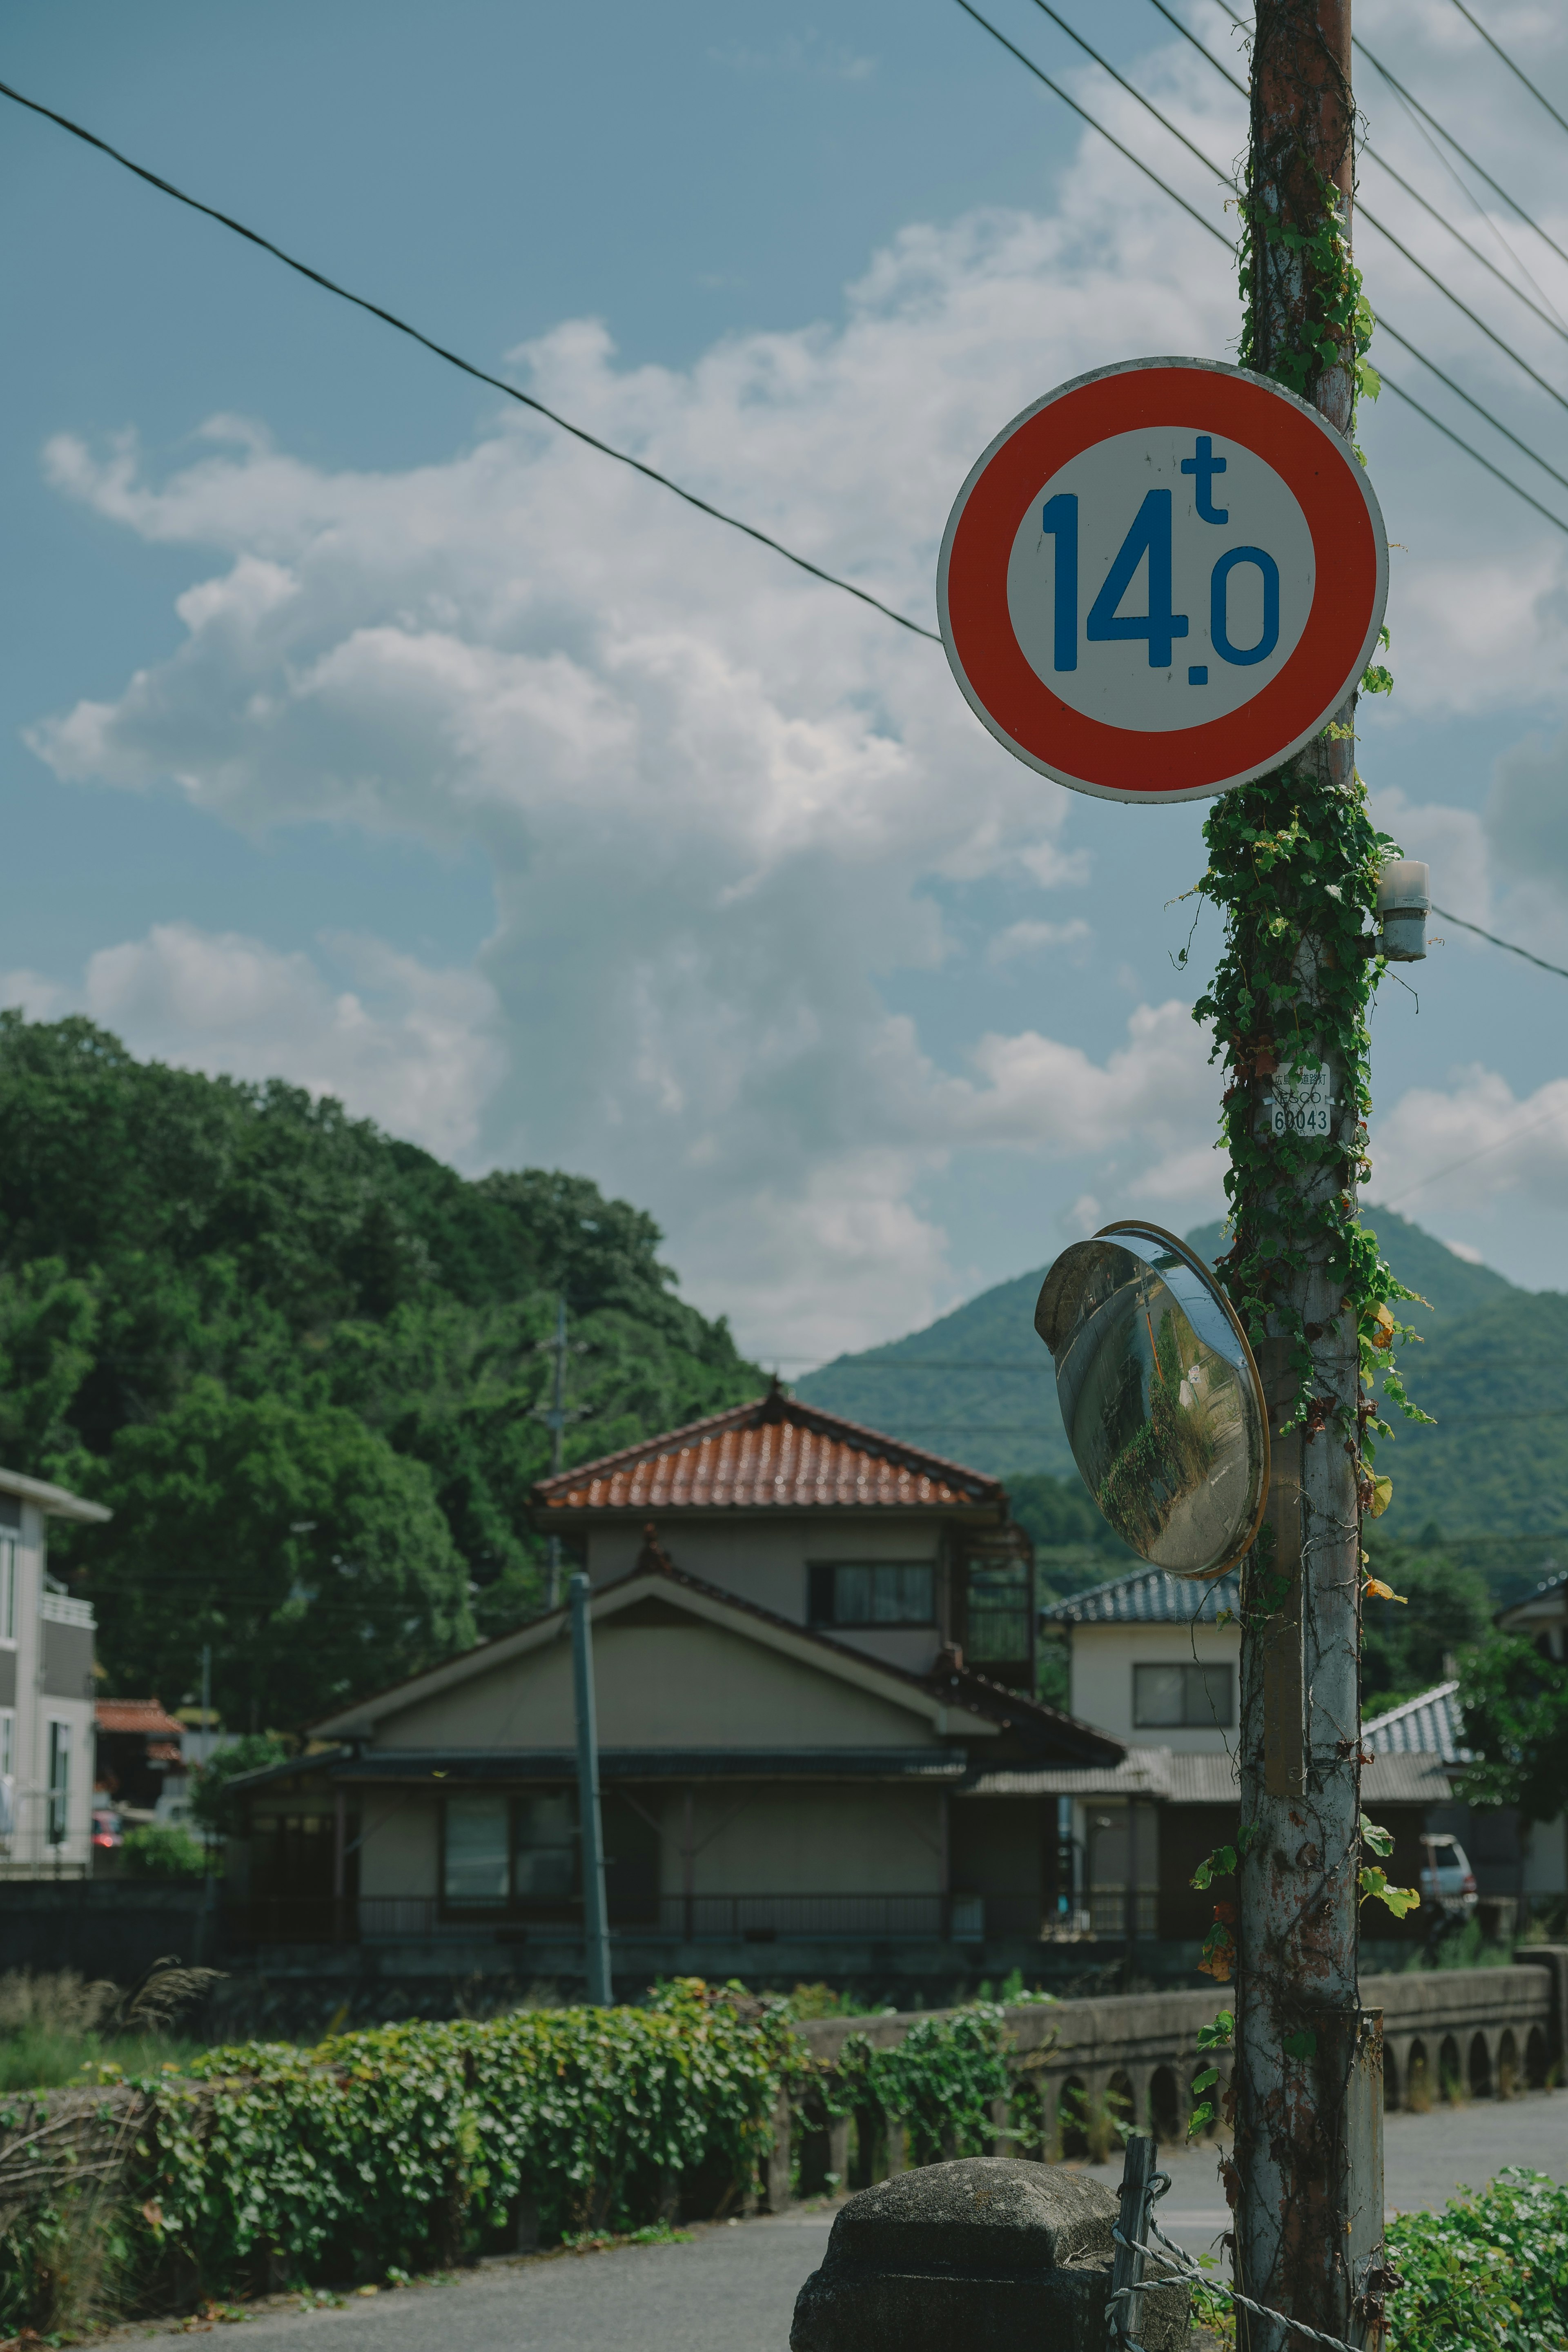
(372,736)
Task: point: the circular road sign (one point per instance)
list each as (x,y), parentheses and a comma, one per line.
(1161,580)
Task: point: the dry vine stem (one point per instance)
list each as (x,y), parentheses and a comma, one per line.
(1293,861)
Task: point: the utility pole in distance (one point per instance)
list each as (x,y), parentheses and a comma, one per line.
(595,1910)
(1307,2157)
(555,1420)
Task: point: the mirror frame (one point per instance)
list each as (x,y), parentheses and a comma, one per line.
(1128,1232)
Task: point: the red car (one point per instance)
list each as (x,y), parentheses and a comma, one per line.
(107,1832)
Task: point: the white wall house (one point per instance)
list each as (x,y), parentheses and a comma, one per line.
(1542,1618)
(1150,1665)
(45,1691)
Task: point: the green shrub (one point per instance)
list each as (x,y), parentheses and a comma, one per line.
(1489,2271)
(162,1850)
(414,2143)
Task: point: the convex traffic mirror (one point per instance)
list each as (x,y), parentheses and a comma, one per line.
(1161,1399)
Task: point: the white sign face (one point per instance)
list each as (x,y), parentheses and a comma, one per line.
(1161,578)
(1302,1102)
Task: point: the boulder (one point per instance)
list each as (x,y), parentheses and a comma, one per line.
(990,2252)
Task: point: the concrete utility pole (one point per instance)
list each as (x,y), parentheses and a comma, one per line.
(555,1421)
(595,1910)
(1309,2116)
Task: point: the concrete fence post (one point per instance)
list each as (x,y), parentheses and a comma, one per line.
(777,2171)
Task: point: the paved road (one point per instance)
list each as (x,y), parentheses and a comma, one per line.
(733,2288)
(1425,2159)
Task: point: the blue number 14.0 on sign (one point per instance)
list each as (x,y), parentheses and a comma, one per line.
(1161,578)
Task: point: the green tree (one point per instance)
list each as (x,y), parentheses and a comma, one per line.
(48,1323)
(210,1803)
(1444,1611)
(312,1558)
(1515,1704)
(163,1233)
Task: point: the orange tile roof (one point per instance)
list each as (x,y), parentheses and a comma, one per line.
(144,1714)
(773,1453)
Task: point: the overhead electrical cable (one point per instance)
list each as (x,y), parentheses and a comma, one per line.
(1410,100)
(1517,71)
(480,376)
(1084,115)
(1500,1143)
(1398,390)
(1446,163)
(1445,134)
(1535,309)
(1561,970)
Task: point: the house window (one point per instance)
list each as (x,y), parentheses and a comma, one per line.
(545,1847)
(7,1587)
(872,1592)
(477,1872)
(1182,1698)
(59,1782)
(998,1614)
(500,1849)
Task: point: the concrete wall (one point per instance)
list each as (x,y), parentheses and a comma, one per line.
(677,1684)
(399,1829)
(1103,1657)
(775,1839)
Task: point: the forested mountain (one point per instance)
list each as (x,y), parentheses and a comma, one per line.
(300,1361)
(1490,1478)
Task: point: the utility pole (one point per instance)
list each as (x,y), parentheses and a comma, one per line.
(1308,2155)
(209,1885)
(595,1913)
(555,1421)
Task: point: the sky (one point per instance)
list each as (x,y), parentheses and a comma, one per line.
(357,727)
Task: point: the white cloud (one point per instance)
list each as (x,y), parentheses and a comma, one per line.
(1030,937)
(414,1048)
(1478,1140)
(713,795)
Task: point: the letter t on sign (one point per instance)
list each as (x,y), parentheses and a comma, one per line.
(1206,466)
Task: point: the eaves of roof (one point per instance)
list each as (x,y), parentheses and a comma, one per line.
(1148,1596)
(1551,1587)
(54,1502)
(954,1685)
(770,1454)
(460,1766)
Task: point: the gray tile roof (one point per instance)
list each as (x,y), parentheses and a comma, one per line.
(1429,1724)
(1147,1597)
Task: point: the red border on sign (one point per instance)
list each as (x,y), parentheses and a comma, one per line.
(1189,759)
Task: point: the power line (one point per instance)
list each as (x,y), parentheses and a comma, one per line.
(1460,443)
(1491,936)
(1470,402)
(1442,132)
(1384,164)
(1517,71)
(454,359)
(1411,101)
(1372,222)
(1082,112)
(1400,393)
(1536,1128)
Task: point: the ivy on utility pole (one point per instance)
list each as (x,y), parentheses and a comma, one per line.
(1293,861)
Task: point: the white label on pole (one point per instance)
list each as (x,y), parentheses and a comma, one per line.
(1302,1102)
